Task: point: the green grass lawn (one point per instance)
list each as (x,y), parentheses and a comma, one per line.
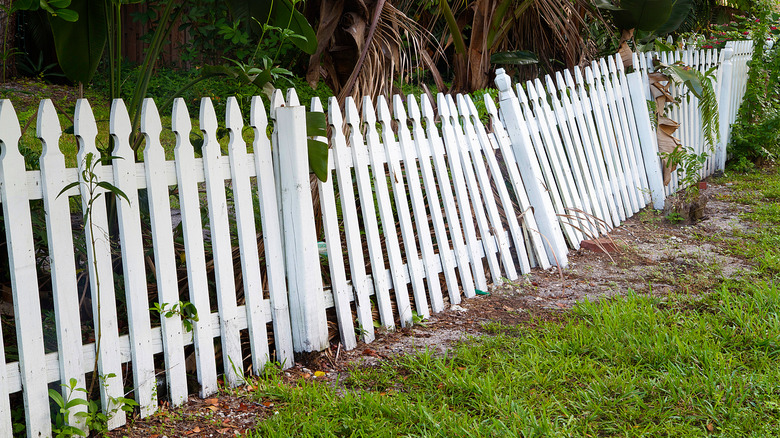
(684,365)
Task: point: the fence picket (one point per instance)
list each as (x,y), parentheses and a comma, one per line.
(532,236)
(24,278)
(361,283)
(445,256)
(431,261)
(488,145)
(451,145)
(335,252)
(272,234)
(477,140)
(414,266)
(101,275)
(360,159)
(221,246)
(448,201)
(133,266)
(398,270)
(247,237)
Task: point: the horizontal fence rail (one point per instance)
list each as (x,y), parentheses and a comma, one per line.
(426,203)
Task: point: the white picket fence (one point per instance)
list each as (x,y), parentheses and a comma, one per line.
(423,206)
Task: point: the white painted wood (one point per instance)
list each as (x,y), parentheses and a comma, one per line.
(461,194)
(100,269)
(338,277)
(725,80)
(423,150)
(133,257)
(6,425)
(24,279)
(461,252)
(164,253)
(195,258)
(492,222)
(414,265)
(648,141)
(578,161)
(607,141)
(277,101)
(532,237)
(531,171)
(272,235)
(307,312)
(342,160)
(399,273)
(62,261)
(221,246)
(487,146)
(247,237)
(619,148)
(409,155)
(580,105)
(360,159)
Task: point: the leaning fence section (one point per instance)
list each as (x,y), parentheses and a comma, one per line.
(426,202)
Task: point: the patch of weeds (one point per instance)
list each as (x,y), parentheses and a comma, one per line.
(499,328)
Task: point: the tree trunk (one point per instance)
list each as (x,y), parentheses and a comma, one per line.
(7,37)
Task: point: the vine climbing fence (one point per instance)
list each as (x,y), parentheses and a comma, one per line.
(426,203)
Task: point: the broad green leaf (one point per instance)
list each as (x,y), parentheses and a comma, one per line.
(67,15)
(642,14)
(519,57)
(79,45)
(680,11)
(318,158)
(316,124)
(59,4)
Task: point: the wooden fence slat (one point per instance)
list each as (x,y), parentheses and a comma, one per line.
(62,261)
(195,257)
(575,151)
(133,266)
(516,232)
(491,222)
(360,159)
(221,246)
(101,275)
(247,237)
(272,234)
(361,283)
(24,278)
(532,235)
(164,253)
(415,268)
(409,157)
(424,153)
(531,172)
(448,201)
(586,124)
(461,194)
(338,277)
(399,272)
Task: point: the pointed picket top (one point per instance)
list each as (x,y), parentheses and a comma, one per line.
(180,120)
(453,107)
(208,119)
(634,60)
(589,79)
(257,117)
(578,75)
(84,124)
(234,122)
(444,108)
(611,65)
(383,112)
(353,117)
(334,116)
(398,108)
(619,63)
(551,88)
(539,90)
(473,109)
(369,115)
(277,100)
(413,108)
(427,109)
(48,129)
(521,94)
(119,127)
(151,126)
(316,105)
(463,108)
(10,132)
(292,97)
(490,106)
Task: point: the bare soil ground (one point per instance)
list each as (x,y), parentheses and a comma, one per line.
(653,256)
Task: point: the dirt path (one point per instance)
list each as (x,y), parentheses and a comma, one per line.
(653,256)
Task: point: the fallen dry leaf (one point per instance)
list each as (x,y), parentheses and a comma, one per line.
(212,401)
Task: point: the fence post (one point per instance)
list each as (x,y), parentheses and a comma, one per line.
(725,84)
(307,304)
(647,140)
(549,225)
